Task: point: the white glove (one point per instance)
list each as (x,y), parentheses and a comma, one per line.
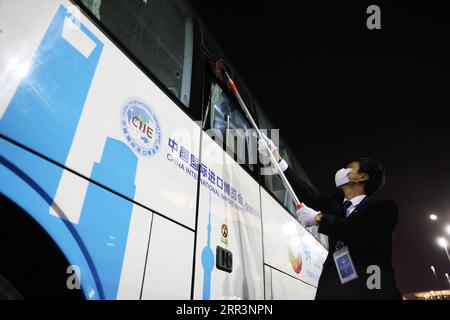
(307,216)
(264,145)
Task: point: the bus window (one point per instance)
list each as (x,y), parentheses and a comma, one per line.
(93,6)
(159,33)
(276,186)
(227,118)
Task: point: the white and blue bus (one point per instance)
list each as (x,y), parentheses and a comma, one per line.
(111,185)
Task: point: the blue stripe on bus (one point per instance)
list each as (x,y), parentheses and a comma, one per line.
(46,197)
(46,108)
(105,218)
(43,115)
(33,189)
(97,243)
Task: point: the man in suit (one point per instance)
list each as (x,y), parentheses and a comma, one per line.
(355,223)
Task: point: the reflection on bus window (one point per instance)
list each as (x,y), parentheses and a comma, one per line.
(235,130)
(93,6)
(275,184)
(158,32)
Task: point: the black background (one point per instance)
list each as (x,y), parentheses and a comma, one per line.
(337,90)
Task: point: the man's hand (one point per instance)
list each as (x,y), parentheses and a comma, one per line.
(307,216)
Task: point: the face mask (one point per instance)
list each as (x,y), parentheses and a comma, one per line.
(341,177)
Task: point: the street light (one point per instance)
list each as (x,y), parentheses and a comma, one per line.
(434,271)
(435,278)
(444,243)
(433,217)
(448,279)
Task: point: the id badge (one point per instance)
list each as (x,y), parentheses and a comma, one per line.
(344,265)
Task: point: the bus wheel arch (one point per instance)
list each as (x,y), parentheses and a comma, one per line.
(32,263)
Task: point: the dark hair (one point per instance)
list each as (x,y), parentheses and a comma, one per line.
(376,172)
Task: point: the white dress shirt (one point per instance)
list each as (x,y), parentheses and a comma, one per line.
(355,201)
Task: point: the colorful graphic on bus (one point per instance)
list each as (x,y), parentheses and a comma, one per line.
(296,261)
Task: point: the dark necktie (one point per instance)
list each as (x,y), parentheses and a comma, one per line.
(345,206)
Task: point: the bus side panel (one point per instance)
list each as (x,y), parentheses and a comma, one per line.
(168,273)
(285,287)
(134,261)
(98,242)
(268,283)
(287,245)
(77,91)
(229,217)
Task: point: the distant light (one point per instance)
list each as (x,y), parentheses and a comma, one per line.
(447,229)
(433,217)
(432,269)
(442,242)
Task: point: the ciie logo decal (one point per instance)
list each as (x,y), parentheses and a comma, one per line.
(141,127)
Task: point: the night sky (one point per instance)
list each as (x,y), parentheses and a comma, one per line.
(337,90)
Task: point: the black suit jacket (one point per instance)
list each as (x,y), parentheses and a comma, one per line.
(367,233)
